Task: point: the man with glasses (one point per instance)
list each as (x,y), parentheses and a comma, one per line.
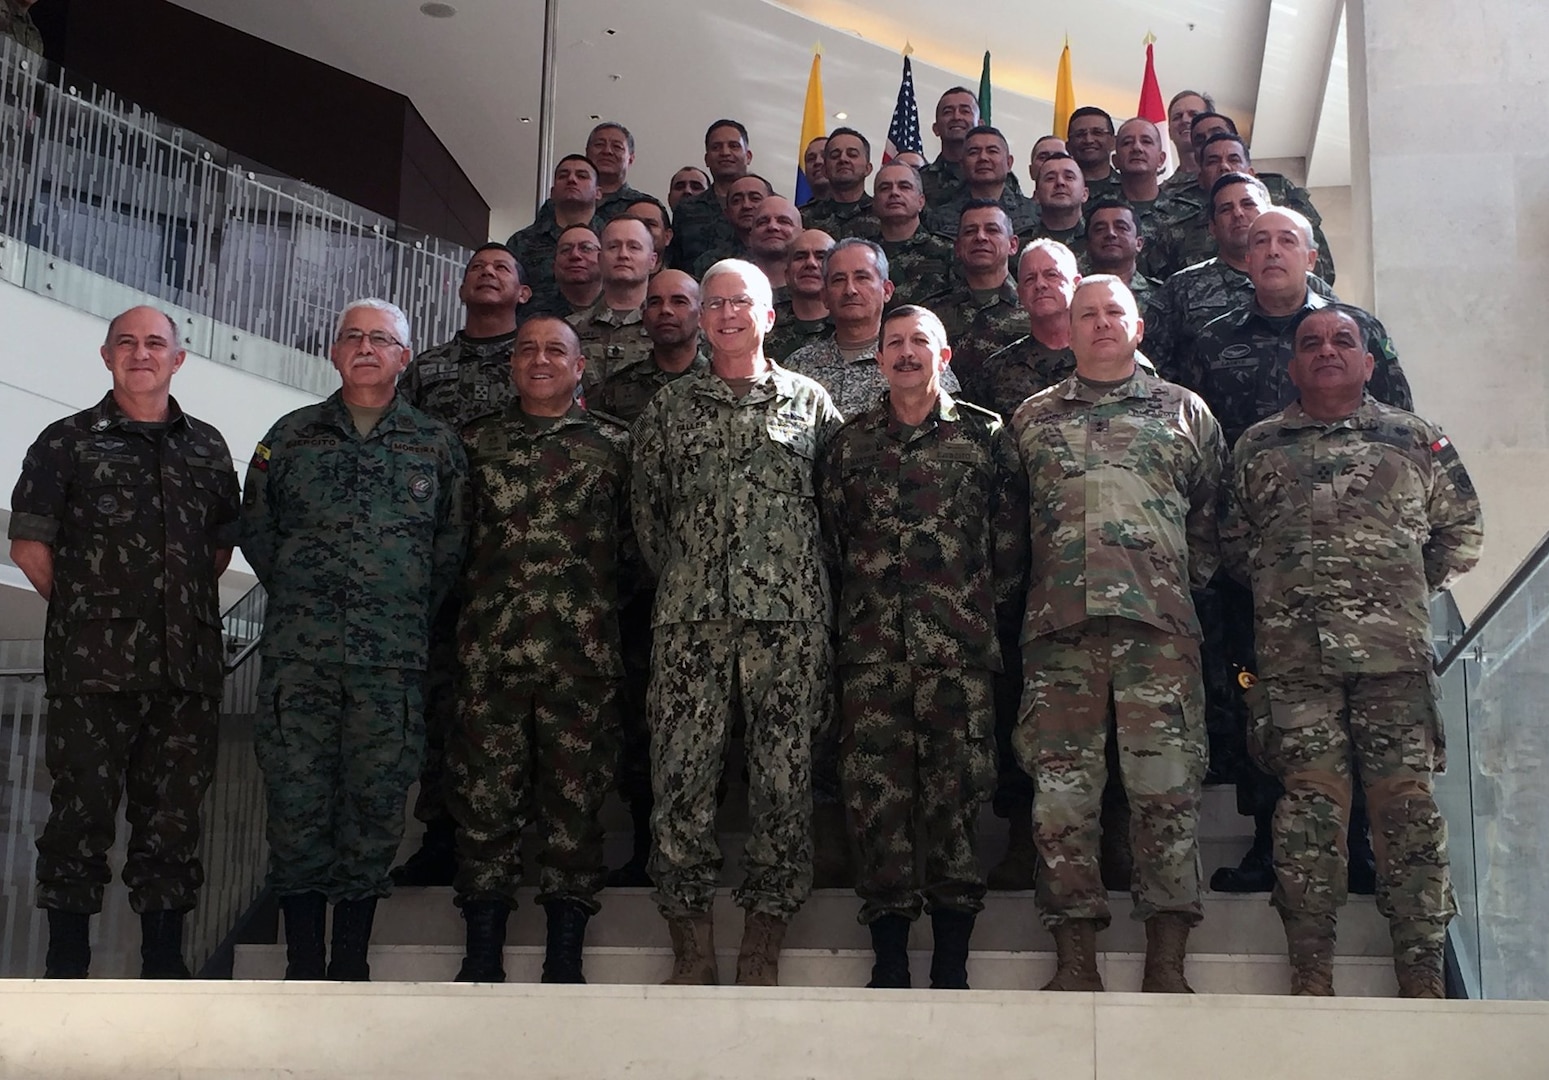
(353,520)
(726,515)
(123,519)
(577,275)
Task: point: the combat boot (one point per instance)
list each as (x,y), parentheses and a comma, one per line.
(758,961)
(949,956)
(633,873)
(486,936)
(69,945)
(693,951)
(161,946)
(435,863)
(1019,868)
(890,943)
(1256,872)
(352,921)
(1075,946)
(1167,939)
(1310,946)
(830,847)
(1422,980)
(306,943)
(566,937)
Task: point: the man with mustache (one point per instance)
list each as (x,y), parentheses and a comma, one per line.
(1090,139)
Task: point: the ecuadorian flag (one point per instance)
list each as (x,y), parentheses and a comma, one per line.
(812,126)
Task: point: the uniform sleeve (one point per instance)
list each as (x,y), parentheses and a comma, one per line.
(1235,528)
(648,488)
(409,383)
(831,513)
(634,576)
(451,542)
(1457,523)
(39,498)
(258,524)
(1388,384)
(225,534)
(1160,336)
(1012,552)
(1202,525)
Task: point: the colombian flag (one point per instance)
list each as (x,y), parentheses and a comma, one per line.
(1064,93)
(812,126)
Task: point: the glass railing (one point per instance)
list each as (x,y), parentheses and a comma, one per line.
(1495,679)
(103,204)
(232,847)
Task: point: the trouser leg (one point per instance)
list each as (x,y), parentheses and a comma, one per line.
(171,764)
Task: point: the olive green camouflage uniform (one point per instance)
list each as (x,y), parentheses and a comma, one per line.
(1123,487)
(1108,187)
(790,333)
(1023,212)
(537,740)
(1179,309)
(610,341)
(535,247)
(699,225)
(1074,238)
(610,204)
(929,525)
(726,513)
(918,267)
(735,250)
(1344,529)
(1186,219)
(134,515)
(841,220)
(456,382)
(855,384)
(357,540)
(941,181)
(979,323)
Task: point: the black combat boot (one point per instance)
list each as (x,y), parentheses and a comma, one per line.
(69,945)
(633,873)
(567,935)
(486,921)
(161,946)
(352,921)
(306,947)
(890,942)
(435,863)
(949,960)
(1256,872)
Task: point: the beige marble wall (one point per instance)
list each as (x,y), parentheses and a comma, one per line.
(1450,190)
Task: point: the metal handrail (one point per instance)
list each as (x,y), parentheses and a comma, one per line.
(1503,596)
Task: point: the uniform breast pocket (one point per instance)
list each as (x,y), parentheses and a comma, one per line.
(212,487)
(784,462)
(416,488)
(106,504)
(1382,485)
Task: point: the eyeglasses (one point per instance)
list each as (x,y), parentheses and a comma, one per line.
(736,303)
(378,339)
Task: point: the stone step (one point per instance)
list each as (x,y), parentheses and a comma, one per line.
(1237,925)
(987,970)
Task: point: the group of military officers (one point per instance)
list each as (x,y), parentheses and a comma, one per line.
(938,563)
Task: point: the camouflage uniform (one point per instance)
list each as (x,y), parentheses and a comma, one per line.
(1015,372)
(855,384)
(699,225)
(930,529)
(134,514)
(737,249)
(942,181)
(549,561)
(1123,484)
(918,267)
(456,382)
(1022,211)
(726,514)
(1185,302)
(17,24)
(841,220)
(1186,216)
(790,333)
(610,342)
(1108,187)
(358,540)
(1240,365)
(550,303)
(1074,238)
(1345,528)
(979,322)
(535,247)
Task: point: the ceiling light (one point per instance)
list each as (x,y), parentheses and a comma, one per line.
(438,11)
(841,116)
(526,119)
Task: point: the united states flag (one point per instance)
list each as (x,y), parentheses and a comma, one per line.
(903,133)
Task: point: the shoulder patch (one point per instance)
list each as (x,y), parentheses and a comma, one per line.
(260,458)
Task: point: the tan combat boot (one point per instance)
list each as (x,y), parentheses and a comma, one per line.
(1422,980)
(758,961)
(1167,939)
(1075,945)
(1310,945)
(693,951)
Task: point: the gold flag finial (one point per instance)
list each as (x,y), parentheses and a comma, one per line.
(817,47)
(908,49)
(1150,38)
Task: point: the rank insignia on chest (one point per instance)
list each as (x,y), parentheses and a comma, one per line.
(420,487)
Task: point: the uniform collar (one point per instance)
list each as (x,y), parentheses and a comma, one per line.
(1365,416)
(1138,385)
(106,414)
(396,418)
(774,384)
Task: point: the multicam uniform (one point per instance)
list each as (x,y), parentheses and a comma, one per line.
(134,514)
(726,514)
(610,341)
(537,739)
(1123,484)
(1344,529)
(930,529)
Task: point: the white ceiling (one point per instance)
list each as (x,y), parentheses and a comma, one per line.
(670,67)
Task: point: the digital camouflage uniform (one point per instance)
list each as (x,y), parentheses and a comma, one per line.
(456,382)
(1074,237)
(537,738)
(610,341)
(1022,211)
(841,219)
(699,225)
(1108,187)
(726,513)
(610,204)
(1123,486)
(1179,309)
(790,333)
(918,267)
(978,322)
(942,180)
(1015,372)
(737,249)
(930,528)
(855,385)
(535,247)
(132,649)
(1345,529)
(625,395)
(18,25)
(357,540)
(1186,219)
